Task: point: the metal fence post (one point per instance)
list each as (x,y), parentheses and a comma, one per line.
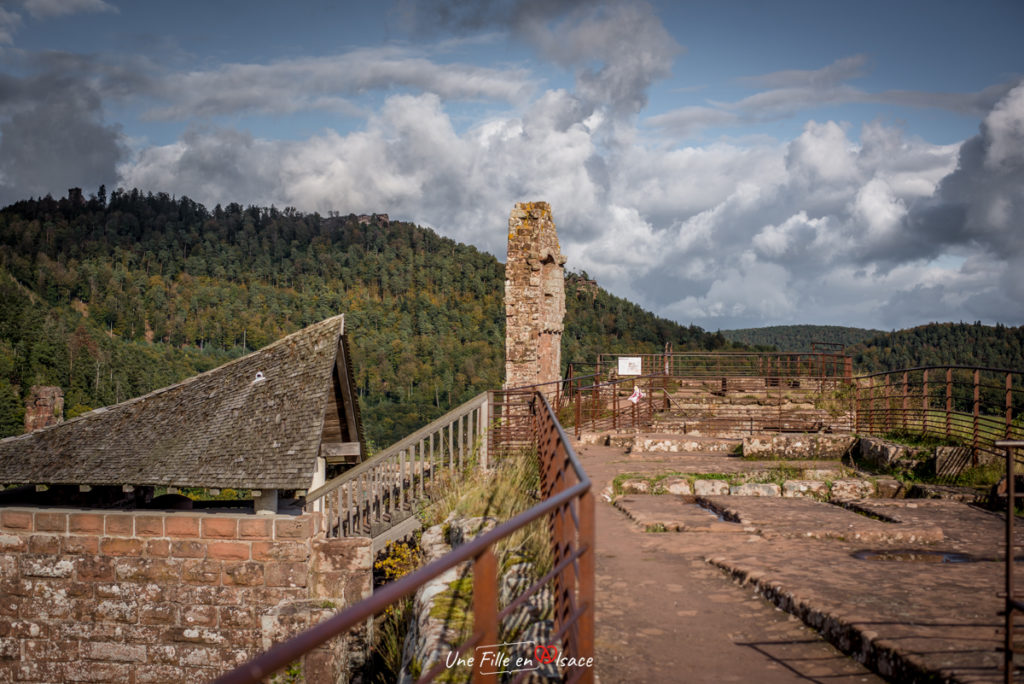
(949,402)
(485,609)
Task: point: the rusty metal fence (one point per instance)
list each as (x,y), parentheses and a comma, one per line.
(568,508)
(972,406)
(770,365)
(1013,604)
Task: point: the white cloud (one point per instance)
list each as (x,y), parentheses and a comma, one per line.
(325,83)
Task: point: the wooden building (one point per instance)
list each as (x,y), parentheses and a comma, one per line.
(274,422)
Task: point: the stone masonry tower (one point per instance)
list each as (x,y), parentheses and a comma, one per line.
(534,297)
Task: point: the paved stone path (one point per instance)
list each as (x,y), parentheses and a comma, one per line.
(666,615)
(669,610)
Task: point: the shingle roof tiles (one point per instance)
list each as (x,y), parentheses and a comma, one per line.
(223,428)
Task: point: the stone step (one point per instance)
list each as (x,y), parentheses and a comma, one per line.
(671,442)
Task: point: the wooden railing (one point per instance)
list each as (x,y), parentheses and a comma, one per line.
(381,492)
(568,508)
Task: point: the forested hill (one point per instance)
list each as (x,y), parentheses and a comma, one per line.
(964,344)
(798,338)
(112,297)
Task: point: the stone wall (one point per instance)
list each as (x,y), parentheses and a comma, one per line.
(534,297)
(44,407)
(151,596)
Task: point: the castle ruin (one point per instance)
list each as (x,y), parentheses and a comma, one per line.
(534,297)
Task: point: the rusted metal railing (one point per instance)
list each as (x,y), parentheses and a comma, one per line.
(822,365)
(568,508)
(381,492)
(972,406)
(1011,605)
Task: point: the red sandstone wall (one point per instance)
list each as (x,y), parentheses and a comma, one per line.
(90,596)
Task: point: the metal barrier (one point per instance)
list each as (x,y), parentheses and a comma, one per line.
(974,406)
(568,507)
(1011,605)
(821,365)
(381,492)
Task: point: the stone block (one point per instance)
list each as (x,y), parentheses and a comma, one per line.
(159,674)
(815,489)
(677,485)
(159,570)
(158,614)
(852,489)
(228,550)
(80,545)
(120,525)
(710,487)
(46,566)
(247,574)
(201,572)
(889,488)
(149,525)
(119,546)
(181,526)
(51,522)
(159,548)
(109,651)
(44,543)
(258,528)
(756,489)
(85,523)
(199,616)
(635,486)
(285,550)
(188,549)
(219,528)
(284,574)
(16,521)
(294,528)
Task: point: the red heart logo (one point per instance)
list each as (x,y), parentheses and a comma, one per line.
(545,654)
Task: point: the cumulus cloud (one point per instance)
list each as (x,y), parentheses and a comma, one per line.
(819,228)
(53,136)
(867,226)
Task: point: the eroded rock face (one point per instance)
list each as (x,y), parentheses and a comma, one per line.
(44,407)
(534,297)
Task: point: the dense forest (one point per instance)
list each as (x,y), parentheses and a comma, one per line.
(799,338)
(936,344)
(110,298)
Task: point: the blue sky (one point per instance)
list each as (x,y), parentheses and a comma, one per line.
(729,164)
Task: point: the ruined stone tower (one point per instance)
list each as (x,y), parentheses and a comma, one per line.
(534,297)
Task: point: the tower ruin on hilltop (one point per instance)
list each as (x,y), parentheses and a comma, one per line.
(534,297)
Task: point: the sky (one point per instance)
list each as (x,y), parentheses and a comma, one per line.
(727,164)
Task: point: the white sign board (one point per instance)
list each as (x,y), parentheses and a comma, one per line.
(629,365)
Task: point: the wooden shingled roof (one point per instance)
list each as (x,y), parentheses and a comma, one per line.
(257,422)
